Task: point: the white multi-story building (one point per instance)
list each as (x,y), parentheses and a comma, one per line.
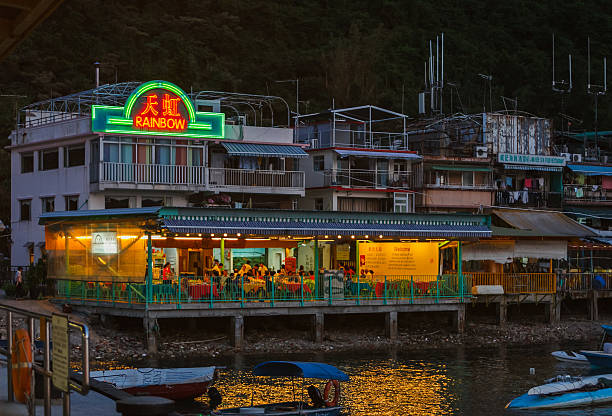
(133,145)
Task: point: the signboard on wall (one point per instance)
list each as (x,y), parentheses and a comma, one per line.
(60,352)
(531,159)
(395,259)
(158,108)
(343,252)
(104,242)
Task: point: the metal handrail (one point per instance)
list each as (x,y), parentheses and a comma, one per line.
(45,370)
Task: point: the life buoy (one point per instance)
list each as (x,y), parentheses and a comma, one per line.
(328,386)
(21,361)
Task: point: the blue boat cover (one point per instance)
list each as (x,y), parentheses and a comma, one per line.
(299,369)
(608,329)
(592,170)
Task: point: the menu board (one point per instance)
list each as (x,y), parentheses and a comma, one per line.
(104,242)
(395,259)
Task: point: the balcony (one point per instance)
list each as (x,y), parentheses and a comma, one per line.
(370,179)
(150,176)
(197,178)
(586,195)
(256,181)
(537,199)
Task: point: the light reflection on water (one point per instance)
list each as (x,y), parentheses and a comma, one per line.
(434,382)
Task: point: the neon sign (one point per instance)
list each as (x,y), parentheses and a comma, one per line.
(158,108)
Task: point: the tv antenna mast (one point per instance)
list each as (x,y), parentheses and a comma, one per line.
(434,75)
(595,90)
(562,86)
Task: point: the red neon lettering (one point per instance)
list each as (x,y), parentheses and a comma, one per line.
(170,106)
(150,108)
(168,119)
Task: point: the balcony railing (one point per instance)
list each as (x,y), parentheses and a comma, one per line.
(226,179)
(370,179)
(473,187)
(528,199)
(152,174)
(357,139)
(515,283)
(586,193)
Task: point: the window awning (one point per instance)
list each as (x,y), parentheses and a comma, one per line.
(264,150)
(504,251)
(322,228)
(592,170)
(377,154)
(465,168)
(534,167)
(531,223)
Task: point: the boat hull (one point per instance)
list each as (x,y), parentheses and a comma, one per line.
(184,391)
(279,409)
(598,358)
(561,401)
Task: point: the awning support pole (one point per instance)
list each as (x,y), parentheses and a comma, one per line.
(316,266)
(460,268)
(149,269)
(222,254)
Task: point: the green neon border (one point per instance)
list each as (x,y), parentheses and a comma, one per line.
(152,85)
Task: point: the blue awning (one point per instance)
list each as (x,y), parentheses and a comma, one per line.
(264,150)
(377,154)
(299,369)
(590,170)
(98,213)
(534,167)
(181,226)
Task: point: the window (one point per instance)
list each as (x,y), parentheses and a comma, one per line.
(48,204)
(27,162)
(72,202)
(116,202)
(25,209)
(318,163)
(468,178)
(152,202)
(74,156)
(48,160)
(318,204)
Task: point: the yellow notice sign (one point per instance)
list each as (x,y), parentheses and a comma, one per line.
(61,352)
(399,259)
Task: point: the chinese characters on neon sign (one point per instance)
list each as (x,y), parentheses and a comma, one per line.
(166,117)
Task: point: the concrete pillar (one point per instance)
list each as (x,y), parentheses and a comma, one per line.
(151,328)
(237,331)
(391,325)
(459,322)
(318,327)
(502,311)
(593,306)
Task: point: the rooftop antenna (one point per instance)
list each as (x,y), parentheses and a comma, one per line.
(595,90)
(487,79)
(434,76)
(561,86)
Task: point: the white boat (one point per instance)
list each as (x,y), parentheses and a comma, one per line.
(172,383)
(569,356)
(566,392)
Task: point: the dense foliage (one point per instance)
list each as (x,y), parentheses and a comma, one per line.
(354,52)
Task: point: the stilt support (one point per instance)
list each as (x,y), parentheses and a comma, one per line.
(391,325)
(593,306)
(502,311)
(237,331)
(459,322)
(151,328)
(318,327)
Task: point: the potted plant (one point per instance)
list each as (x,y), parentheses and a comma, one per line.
(36,277)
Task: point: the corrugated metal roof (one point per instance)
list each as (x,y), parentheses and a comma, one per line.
(605,213)
(96,213)
(326,228)
(543,223)
(376,154)
(268,150)
(590,170)
(534,167)
(466,168)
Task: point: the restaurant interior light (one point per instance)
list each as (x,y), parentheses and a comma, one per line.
(224,234)
(187,238)
(212,234)
(238,234)
(187,235)
(199,235)
(352,236)
(339,236)
(226,239)
(380,236)
(256,239)
(366,236)
(127,237)
(157,237)
(326,236)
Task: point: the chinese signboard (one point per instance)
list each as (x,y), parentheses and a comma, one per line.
(531,159)
(60,352)
(158,108)
(104,242)
(395,259)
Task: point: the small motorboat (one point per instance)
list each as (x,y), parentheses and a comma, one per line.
(570,356)
(574,357)
(171,383)
(565,392)
(319,404)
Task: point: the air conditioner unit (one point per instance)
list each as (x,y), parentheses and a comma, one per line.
(481,151)
(567,156)
(576,157)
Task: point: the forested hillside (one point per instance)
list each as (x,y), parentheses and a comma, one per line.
(354,51)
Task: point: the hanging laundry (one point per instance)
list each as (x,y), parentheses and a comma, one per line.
(528,183)
(516,195)
(595,188)
(525,197)
(580,179)
(579,193)
(509,180)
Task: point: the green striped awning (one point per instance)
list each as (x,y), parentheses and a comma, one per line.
(266,150)
(466,168)
(535,167)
